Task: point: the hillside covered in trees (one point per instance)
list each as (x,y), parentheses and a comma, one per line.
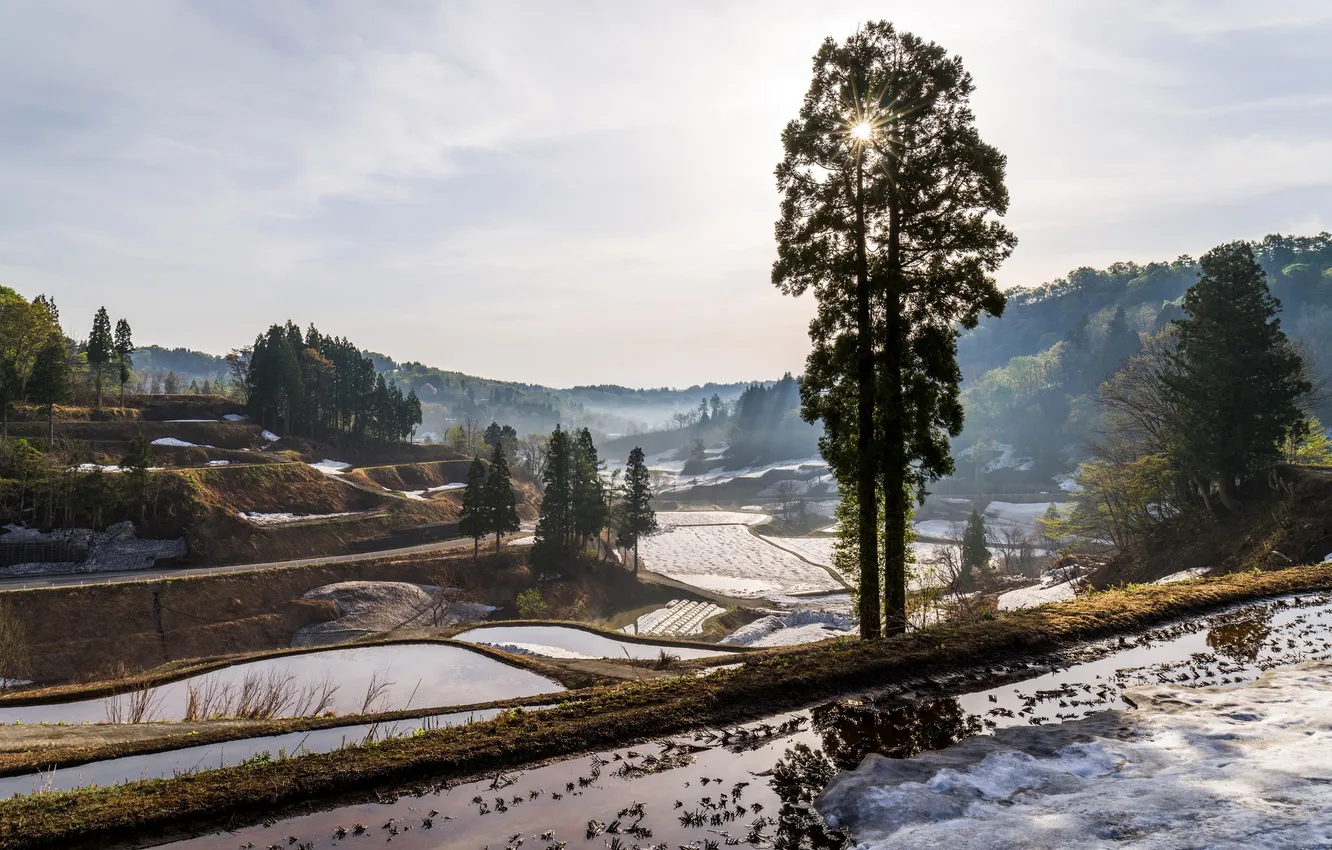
(1031,375)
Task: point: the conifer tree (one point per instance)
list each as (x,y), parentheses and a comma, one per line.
(124,347)
(101,345)
(474,522)
(136,463)
(638,520)
(50,380)
(975,557)
(554,529)
(589,497)
(1239,381)
(500,503)
(888,214)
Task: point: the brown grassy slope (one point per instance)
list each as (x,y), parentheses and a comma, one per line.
(413,476)
(614,716)
(1275,528)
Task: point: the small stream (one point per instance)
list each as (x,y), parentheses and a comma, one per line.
(754,785)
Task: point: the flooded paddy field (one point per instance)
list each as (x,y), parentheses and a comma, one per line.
(757,785)
(344,681)
(564,642)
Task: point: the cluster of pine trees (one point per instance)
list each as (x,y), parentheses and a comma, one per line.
(313,385)
(488,505)
(578,504)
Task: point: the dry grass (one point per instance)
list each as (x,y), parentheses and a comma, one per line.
(603,717)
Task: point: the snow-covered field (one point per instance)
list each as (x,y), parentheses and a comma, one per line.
(676,518)
(1030,597)
(728,559)
(671,471)
(1212,767)
(816,549)
(791,629)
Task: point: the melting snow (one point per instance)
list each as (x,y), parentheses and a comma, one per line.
(1183,575)
(1030,597)
(180,444)
(1215,768)
(282,518)
(269,436)
(331,467)
(235,417)
(791,629)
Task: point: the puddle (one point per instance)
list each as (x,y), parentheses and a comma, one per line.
(405,675)
(561,642)
(210,756)
(755,785)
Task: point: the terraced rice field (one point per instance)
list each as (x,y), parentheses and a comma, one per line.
(678,617)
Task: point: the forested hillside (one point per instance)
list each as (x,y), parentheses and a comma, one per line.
(1031,374)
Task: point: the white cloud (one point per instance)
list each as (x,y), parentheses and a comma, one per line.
(519,189)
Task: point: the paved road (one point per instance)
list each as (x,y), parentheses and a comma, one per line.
(85,579)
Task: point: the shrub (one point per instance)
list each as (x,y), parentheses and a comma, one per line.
(530,604)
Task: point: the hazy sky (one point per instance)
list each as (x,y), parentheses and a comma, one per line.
(582,192)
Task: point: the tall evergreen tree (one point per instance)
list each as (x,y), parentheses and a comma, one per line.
(589,497)
(124,348)
(50,380)
(136,464)
(101,345)
(554,529)
(474,522)
(975,557)
(637,519)
(1238,384)
(500,503)
(888,215)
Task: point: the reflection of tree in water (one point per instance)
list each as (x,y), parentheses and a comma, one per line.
(1241,636)
(850,732)
(798,778)
(899,730)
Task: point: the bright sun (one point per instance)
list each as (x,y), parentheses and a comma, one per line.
(861,131)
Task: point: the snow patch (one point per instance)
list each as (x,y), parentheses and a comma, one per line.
(1216,767)
(791,629)
(1183,575)
(1030,597)
(269,436)
(180,444)
(284,518)
(235,417)
(331,467)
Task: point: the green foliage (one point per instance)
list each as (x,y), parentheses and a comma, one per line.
(554,529)
(975,556)
(1239,382)
(474,520)
(318,386)
(501,509)
(909,214)
(637,519)
(530,604)
(1308,444)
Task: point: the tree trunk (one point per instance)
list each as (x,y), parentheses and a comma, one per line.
(476,549)
(97,376)
(635,558)
(867,457)
(1226,490)
(122,396)
(50,426)
(894,446)
(497,542)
